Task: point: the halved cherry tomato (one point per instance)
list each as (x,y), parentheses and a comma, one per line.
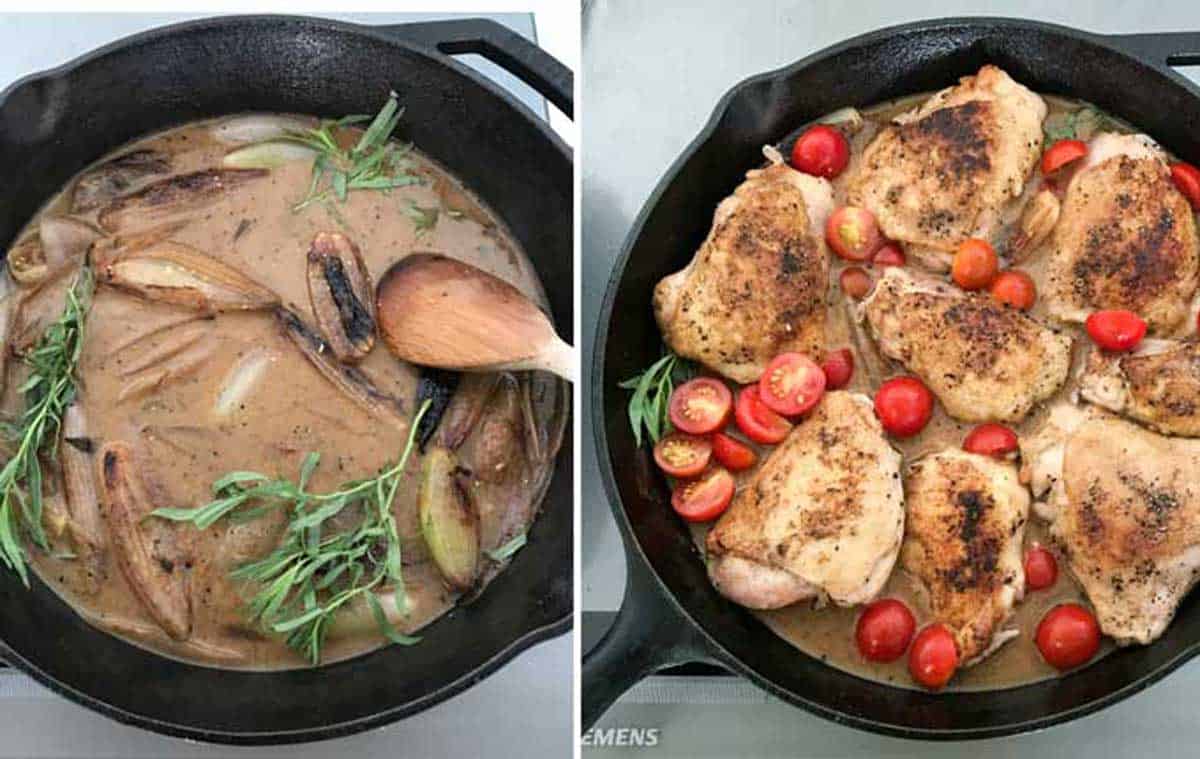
(975,264)
(1068,636)
(700,406)
(704,498)
(903,405)
(1015,288)
(1115,330)
(821,151)
(792,384)
(1061,153)
(732,453)
(884,630)
(839,368)
(853,233)
(933,657)
(756,421)
(889,255)
(1187,179)
(682,455)
(991,440)
(855,281)
(1041,568)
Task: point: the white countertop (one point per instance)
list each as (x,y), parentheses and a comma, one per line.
(524,710)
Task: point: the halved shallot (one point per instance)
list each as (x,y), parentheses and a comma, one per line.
(170,272)
(343,298)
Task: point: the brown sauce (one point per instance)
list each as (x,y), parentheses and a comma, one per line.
(828,633)
(183,444)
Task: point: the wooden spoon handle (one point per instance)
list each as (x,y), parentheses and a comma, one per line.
(556,357)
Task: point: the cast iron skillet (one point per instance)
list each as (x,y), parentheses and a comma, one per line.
(55,123)
(671,614)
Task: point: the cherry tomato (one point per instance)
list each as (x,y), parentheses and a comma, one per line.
(1187,179)
(1115,330)
(1015,288)
(903,405)
(792,384)
(756,420)
(853,233)
(1041,568)
(1061,153)
(991,440)
(700,406)
(933,657)
(889,255)
(682,455)
(839,368)
(704,498)
(884,630)
(855,281)
(732,453)
(975,264)
(1068,636)
(821,151)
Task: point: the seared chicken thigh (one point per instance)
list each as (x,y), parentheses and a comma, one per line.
(756,287)
(823,516)
(1124,505)
(1125,238)
(966,516)
(1159,385)
(947,171)
(984,361)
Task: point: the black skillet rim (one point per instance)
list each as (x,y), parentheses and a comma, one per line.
(633,548)
(384,717)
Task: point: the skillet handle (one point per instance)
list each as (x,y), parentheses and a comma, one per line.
(1163,49)
(649,634)
(499,44)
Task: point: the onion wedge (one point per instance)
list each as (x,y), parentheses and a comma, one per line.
(466,407)
(342,296)
(349,379)
(449,521)
(117,177)
(155,579)
(174,196)
(86,526)
(268,155)
(241,379)
(256,127)
(169,272)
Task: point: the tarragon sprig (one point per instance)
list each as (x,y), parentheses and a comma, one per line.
(315,572)
(651,397)
(48,391)
(374,163)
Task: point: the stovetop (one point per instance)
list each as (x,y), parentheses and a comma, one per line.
(522,710)
(652,74)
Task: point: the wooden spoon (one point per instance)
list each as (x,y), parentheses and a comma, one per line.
(437,311)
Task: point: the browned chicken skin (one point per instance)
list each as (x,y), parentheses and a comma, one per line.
(948,170)
(985,362)
(1158,386)
(756,287)
(822,517)
(966,516)
(1125,238)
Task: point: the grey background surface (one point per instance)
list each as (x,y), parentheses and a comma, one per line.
(524,710)
(652,73)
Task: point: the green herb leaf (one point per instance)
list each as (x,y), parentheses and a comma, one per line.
(48,391)
(424,219)
(652,390)
(509,548)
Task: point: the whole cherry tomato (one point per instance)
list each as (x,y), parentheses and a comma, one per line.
(1041,568)
(933,658)
(991,439)
(756,420)
(975,264)
(884,630)
(903,405)
(1014,288)
(855,282)
(889,255)
(839,368)
(1068,636)
(1115,330)
(1187,179)
(732,453)
(821,151)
